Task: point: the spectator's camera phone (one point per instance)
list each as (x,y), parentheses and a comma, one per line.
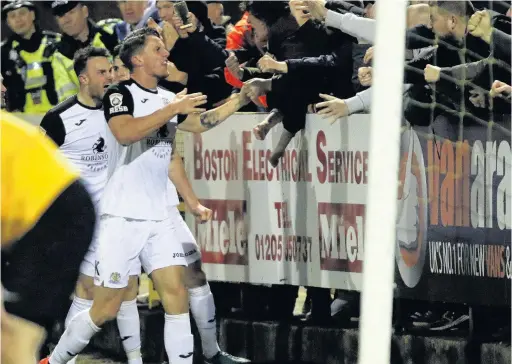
(181,8)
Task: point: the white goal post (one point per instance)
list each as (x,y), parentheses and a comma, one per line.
(379,267)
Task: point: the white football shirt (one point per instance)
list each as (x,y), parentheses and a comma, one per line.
(82,135)
(138,176)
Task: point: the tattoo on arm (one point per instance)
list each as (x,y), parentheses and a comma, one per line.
(209,119)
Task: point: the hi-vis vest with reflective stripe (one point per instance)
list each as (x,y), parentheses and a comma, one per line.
(43,89)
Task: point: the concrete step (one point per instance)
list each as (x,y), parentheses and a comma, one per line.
(272,342)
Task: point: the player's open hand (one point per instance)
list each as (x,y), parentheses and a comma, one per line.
(189,104)
(201,213)
(332,109)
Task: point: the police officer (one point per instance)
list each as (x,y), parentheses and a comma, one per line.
(78,30)
(35,78)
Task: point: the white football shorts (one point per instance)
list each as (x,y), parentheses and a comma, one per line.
(190,249)
(125,244)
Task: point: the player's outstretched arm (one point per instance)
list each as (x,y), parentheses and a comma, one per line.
(127,129)
(199,123)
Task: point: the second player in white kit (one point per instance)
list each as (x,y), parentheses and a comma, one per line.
(78,127)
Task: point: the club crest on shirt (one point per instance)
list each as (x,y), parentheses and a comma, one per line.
(116,101)
(115,278)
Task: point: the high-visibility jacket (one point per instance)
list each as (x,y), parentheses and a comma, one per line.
(34,79)
(109,23)
(101,37)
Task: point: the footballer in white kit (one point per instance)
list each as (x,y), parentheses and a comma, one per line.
(133,208)
(202,304)
(79,129)
(80,133)
(135,223)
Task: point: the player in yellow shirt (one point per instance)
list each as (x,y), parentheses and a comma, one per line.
(47,221)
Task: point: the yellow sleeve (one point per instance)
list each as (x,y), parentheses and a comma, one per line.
(109,23)
(34,173)
(66,80)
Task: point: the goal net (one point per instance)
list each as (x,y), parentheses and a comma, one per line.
(451,237)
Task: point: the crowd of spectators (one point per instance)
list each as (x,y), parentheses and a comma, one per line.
(292,58)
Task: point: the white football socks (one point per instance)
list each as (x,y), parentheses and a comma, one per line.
(129,330)
(76,337)
(178,339)
(78,305)
(202,306)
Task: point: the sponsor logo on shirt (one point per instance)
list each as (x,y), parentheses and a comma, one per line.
(183,255)
(98,158)
(161,144)
(116,101)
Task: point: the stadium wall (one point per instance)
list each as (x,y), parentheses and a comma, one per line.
(302,223)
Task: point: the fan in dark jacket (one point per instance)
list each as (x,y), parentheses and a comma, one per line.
(306,69)
(199,52)
(455,47)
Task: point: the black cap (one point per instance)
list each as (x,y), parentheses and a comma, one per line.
(61,7)
(16,5)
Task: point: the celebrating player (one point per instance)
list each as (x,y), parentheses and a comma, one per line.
(201,299)
(135,223)
(79,128)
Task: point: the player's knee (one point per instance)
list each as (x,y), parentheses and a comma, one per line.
(104,313)
(174,298)
(175,290)
(132,290)
(194,276)
(106,306)
(85,287)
